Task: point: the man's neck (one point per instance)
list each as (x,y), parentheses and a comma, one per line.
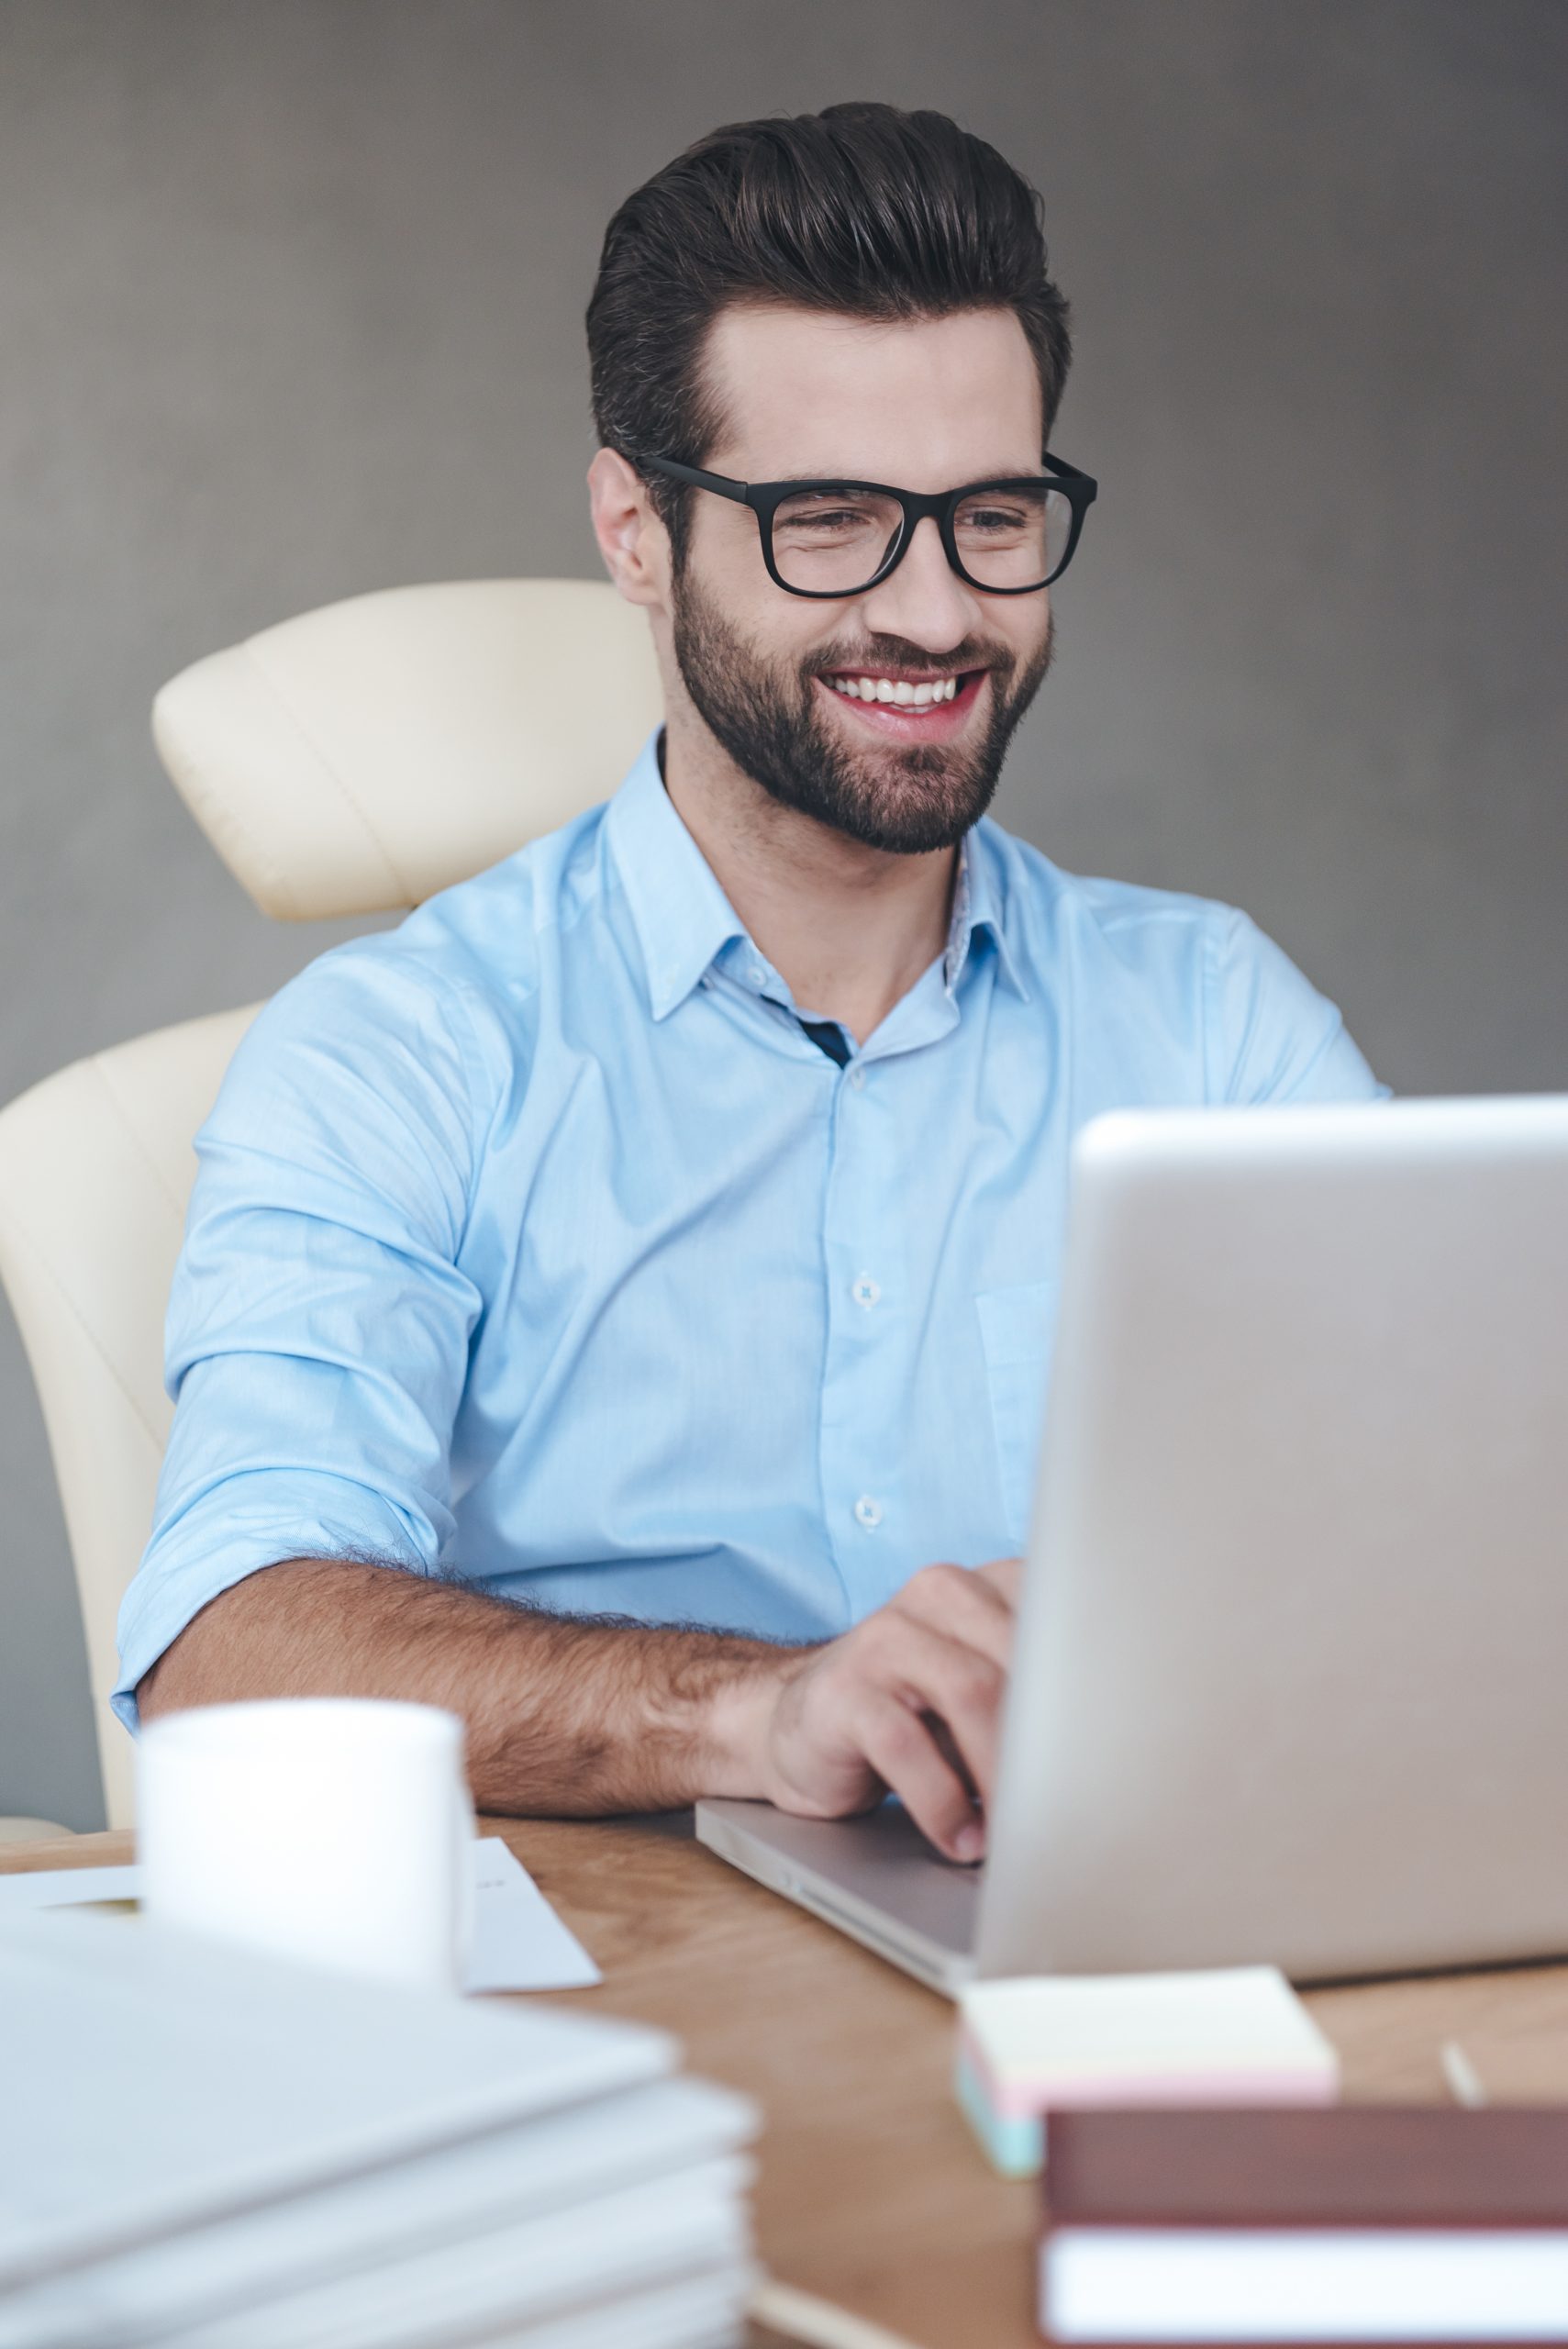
(849,928)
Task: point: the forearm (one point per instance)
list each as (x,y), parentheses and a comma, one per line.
(564,1716)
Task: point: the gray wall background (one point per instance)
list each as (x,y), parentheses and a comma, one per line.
(290,304)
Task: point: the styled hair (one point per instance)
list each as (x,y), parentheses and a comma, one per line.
(861,209)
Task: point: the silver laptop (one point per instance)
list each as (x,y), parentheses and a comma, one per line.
(1291,1674)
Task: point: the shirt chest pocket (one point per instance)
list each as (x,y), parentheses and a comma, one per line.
(1016,1327)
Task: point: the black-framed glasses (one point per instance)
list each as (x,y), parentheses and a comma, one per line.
(839,537)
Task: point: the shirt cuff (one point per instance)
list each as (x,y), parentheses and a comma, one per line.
(237,1527)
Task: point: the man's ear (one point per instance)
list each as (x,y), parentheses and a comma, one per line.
(632,539)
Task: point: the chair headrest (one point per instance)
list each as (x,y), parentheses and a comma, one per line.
(360,757)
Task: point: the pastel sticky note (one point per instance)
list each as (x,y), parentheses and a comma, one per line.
(1032,2045)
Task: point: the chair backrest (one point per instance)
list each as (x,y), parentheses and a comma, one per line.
(360,757)
(96,1168)
(352,760)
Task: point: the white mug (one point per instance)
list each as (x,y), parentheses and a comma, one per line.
(333,1830)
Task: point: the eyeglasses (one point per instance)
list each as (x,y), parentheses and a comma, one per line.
(840,537)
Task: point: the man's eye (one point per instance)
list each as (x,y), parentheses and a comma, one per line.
(993,517)
(822,520)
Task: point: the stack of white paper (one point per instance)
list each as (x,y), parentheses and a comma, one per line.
(208,2149)
(519,1942)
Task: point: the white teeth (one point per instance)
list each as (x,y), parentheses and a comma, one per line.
(902,693)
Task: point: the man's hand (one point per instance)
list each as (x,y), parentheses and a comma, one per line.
(909,1700)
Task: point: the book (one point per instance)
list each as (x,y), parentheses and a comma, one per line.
(201,2148)
(153,2079)
(541,2172)
(1382,2223)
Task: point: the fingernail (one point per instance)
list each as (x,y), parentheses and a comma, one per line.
(970,1841)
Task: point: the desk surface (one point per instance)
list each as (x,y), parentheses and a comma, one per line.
(872,2191)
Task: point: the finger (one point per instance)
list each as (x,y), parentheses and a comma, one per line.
(937,1730)
(900,1750)
(1003,1575)
(931,1673)
(958,1603)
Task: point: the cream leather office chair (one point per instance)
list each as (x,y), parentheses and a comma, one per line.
(354,761)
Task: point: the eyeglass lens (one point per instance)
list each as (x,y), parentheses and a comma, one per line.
(834,541)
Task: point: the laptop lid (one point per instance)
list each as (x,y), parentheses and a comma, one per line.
(1290,1670)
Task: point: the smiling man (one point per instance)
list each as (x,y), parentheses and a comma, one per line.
(617,1303)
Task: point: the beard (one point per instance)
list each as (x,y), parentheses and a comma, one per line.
(906,798)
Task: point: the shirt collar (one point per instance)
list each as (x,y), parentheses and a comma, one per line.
(979,904)
(684,920)
(681,914)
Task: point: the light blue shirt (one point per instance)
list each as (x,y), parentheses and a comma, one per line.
(535,1244)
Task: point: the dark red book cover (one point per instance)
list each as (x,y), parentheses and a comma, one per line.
(1348,2166)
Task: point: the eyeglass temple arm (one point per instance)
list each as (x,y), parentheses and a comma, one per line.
(694,477)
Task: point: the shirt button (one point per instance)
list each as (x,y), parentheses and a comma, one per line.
(867,1511)
(856,1075)
(757,975)
(865,1290)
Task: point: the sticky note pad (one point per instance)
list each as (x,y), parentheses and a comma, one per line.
(1034,2044)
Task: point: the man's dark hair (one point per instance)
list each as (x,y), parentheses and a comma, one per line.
(863,209)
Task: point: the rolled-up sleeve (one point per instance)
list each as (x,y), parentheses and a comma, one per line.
(1271,1036)
(319,1321)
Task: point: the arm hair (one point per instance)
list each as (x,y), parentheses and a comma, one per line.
(566,1716)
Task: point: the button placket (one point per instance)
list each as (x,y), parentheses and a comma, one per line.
(863,1435)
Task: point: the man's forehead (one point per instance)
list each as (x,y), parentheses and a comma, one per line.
(800,391)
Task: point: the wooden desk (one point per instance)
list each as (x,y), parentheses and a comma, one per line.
(872,2191)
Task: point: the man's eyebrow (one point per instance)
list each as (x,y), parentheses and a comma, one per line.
(815,481)
(832,480)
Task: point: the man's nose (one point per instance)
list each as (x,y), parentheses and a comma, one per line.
(923,600)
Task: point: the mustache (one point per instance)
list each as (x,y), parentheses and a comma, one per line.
(898,653)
